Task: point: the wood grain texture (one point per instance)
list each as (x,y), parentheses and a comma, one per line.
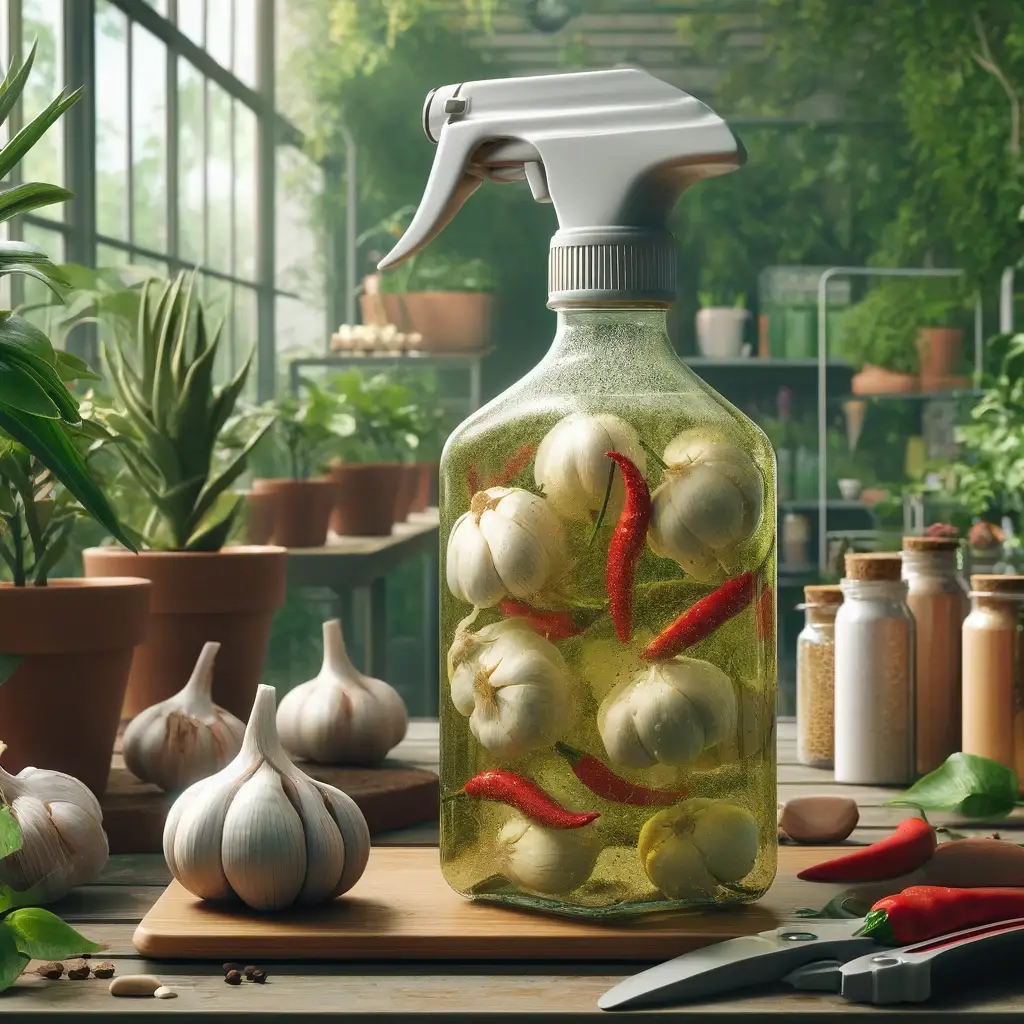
(402,909)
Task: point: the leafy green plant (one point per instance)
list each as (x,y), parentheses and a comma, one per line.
(387,419)
(439,272)
(717,298)
(307,428)
(172,420)
(966,784)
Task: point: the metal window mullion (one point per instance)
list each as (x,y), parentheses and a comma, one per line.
(171,152)
(129,100)
(266,157)
(14,122)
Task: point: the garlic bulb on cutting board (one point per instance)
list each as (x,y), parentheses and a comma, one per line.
(689,849)
(512,685)
(547,860)
(571,466)
(709,502)
(668,713)
(509,542)
(263,831)
(63,842)
(186,737)
(341,716)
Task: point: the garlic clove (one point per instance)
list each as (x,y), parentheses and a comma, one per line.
(547,860)
(196,835)
(78,829)
(325,849)
(469,570)
(355,835)
(50,787)
(520,560)
(679,871)
(727,838)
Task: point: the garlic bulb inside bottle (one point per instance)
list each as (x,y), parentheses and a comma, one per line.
(510,542)
(709,502)
(668,713)
(262,831)
(512,685)
(341,716)
(63,842)
(571,466)
(691,848)
(186,737)
(547,860)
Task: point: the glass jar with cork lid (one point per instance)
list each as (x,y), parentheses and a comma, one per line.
(815,677)
(874,673)
(937,596)
(993,671)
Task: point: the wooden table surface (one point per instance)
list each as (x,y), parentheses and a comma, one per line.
(110,910)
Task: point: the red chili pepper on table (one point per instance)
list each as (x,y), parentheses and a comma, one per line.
(904,851)
(626,546)
(551,625)
(603,782)
(926,911)
(702,618)
(526,796)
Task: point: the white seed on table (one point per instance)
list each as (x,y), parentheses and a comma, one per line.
(135,985)
(163,992)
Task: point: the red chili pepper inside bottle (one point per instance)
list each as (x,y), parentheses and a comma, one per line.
(525,796)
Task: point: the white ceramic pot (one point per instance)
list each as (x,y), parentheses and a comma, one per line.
(720,332)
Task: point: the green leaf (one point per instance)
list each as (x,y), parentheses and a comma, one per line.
(14,83)
(71,368)
(20,390)
(965,784)
(30,196)
(214,537)
(12,960)
(10,833)
(844,906)
(44,936)
(15,150)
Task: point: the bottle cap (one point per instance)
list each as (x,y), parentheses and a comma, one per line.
(996,584)
(931,543)
(823,594)
(874,565)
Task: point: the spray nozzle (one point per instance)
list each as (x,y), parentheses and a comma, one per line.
(611,150)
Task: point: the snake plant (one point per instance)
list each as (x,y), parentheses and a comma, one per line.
(173,423)
(36,408)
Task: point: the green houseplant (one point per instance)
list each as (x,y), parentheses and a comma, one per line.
(181,448)
(65,645)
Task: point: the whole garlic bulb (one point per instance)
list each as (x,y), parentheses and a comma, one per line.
(509,542)
(264,832)
(341,716)
(547,860)
(512,685)
(709,503)
(186,737)
(689,849)
(63,842)
(668,713)
(571,466)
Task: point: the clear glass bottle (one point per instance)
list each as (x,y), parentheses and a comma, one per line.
(937,597)
(815,677)
(874,697)
(993,671)
(612,363)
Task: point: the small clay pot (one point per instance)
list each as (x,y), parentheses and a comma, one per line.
(300,510)
(365,497)
(227,596)
(61,706)
(426,486)
(876,380)
(259,517)
(938,352)
(407,492)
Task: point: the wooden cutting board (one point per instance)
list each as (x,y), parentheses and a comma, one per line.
(390,796)
(402,909)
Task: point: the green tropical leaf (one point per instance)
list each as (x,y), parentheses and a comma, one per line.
(12,961)
(30,196)
(41,935)
(10,832)
(71,368)
(14,83)
(15,151)
(214,537)
(19,389)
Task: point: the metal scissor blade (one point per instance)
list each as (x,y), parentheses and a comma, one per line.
(738,963)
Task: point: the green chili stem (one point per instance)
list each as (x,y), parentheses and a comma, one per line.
(604,505)
(653,454)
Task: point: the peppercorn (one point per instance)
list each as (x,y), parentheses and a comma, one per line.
(260,977)
(233,978)
(249,971)
(78,970)
(231,967)
(103,970)
(52,971)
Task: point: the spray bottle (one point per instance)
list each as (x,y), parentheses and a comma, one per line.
(607,532)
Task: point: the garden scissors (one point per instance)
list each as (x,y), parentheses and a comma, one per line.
(823,956)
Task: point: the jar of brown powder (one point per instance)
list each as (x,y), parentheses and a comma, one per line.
(815,677)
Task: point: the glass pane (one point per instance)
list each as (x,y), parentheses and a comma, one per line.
(245,192)
(219,35)
(160,6)
(191,20)
(300,242)
(217,306)
(111,99)
(290,86)
(245,41)
(5,57)
(111,256)
(191,162)
(219,178)
(149,140)
(35,292)
(299,329)
(43,23)
(246,333)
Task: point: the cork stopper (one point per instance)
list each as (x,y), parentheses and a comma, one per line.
(930,543)
(878,566)
(823,594)
(994,584)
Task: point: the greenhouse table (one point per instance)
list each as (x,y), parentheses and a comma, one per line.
(110,910)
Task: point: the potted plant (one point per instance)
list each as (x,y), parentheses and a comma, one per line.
(721,322)
(65,645)
(373,474)
(939,338)
(305,429)
(180,450)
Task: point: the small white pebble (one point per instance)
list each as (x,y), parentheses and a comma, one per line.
(163,992)
(134,985)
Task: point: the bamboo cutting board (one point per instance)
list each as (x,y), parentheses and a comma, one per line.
(402,909)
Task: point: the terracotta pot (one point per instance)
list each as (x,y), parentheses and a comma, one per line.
(61,706)
(407,492)
(228,596)
(300,510)
(259,517)
(426,486)
(938,352)
(876,380)
(365,497)
(448,321)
